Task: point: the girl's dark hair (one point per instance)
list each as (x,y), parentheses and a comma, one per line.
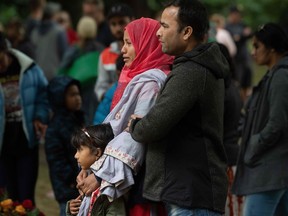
(192,13)
(96,136)
(273,36)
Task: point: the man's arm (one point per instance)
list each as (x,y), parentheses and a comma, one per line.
(180,92)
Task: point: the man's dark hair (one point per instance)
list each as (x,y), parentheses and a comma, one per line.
(192,13)
(96,136)
(120,10)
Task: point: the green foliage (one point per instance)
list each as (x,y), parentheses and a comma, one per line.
(7,12)
(155,5)
(255,13)
(262,11)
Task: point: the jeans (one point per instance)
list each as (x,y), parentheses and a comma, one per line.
(174,210)
(270,203)
(62,209)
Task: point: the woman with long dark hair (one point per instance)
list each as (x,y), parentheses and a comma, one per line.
(262,175)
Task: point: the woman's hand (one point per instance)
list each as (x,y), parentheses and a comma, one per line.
(132,117)
(87,185)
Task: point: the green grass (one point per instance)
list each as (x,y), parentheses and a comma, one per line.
(44,201)
(258,73)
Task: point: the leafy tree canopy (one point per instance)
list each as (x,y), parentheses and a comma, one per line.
(255,13)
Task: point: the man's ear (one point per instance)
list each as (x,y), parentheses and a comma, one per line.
(187,32)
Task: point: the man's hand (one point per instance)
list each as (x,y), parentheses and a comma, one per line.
(87,185)
(132,117)
(40,129)
(80,177)
(74,205)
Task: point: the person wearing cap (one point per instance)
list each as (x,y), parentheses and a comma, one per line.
(118,17)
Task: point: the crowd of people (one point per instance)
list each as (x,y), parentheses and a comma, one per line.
(145,116)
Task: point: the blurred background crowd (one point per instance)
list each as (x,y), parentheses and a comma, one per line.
(83,39)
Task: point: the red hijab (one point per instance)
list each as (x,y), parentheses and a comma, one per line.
(149,55)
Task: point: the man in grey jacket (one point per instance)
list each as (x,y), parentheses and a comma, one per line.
(185,160)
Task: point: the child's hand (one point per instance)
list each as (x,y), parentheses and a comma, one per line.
(88,185)
(74,205)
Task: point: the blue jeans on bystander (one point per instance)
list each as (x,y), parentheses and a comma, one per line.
(174,210)
(62,209)
(269,203)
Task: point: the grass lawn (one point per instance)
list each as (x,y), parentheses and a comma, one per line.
(258,73)
(44,197)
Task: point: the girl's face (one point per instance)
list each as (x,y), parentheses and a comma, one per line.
(85,157)
(73,98)
(128,50)
(260,53)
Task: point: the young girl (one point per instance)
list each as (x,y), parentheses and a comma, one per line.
(90,143)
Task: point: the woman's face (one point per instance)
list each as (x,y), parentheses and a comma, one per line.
(260,53)
(128,50)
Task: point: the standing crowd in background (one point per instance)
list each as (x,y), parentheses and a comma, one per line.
(145,116)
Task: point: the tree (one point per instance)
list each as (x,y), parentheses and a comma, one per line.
(255,12)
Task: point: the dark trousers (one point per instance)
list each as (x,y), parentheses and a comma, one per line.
(18,167)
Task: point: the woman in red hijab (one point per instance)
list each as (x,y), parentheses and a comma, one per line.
(144,73)
(148,53)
